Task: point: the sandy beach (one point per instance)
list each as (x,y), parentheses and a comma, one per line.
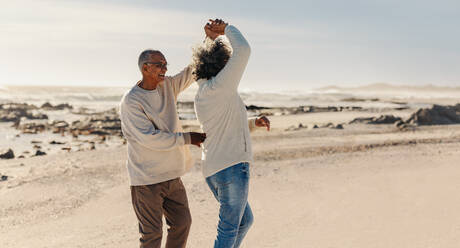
(360,186)
(363,100)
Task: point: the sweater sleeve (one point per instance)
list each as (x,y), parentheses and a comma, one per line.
(230,76)
(137,127)
(182,80)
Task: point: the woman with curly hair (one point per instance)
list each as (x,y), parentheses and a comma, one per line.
(222,114)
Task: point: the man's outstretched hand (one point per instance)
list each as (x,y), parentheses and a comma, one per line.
(263,121)
(197,138)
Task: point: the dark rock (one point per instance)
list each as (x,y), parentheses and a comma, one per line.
(254,107)
(57,143)
(339,126)
(40,153)
(3,178)
(99,132)
(46,105)
(7,155)
(63,106)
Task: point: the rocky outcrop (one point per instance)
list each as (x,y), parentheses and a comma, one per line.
(436,115)
(15,111)
(104,123)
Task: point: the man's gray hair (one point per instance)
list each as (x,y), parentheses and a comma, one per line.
(145,57)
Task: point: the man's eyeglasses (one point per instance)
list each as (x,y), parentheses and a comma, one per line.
(158,64)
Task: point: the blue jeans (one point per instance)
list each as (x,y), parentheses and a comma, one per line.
(230,187)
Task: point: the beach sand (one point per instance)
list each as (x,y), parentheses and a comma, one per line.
(365,186)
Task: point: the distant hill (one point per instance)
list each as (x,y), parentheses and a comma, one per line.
(382,87)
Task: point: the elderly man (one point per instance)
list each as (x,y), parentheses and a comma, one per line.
(158,152)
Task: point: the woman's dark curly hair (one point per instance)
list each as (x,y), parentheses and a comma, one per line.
(210,59)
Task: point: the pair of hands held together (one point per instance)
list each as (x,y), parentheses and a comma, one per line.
(214,28)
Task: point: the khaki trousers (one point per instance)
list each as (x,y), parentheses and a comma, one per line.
(151,202)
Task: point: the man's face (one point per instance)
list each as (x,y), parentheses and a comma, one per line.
(156,67)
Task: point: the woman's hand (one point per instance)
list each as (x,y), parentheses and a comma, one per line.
(263,121)
(209,33)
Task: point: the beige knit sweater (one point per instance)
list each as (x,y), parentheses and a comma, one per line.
(157,147)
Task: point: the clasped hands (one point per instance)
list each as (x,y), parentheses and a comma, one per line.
(214,28)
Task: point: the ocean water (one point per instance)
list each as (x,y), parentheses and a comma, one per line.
(101,98)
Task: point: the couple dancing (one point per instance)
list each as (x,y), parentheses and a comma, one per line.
(158,153)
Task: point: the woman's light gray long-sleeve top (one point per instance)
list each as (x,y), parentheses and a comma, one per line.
(222,113)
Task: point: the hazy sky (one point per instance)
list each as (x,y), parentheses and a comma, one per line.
(296,45)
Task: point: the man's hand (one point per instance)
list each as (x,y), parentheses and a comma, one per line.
(197,138)
(263,121)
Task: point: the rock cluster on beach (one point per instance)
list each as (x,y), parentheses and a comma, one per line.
(62,106)
(28,119)
(314,126)
(268,111)
(105,123)
(436,115)
(15,111)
